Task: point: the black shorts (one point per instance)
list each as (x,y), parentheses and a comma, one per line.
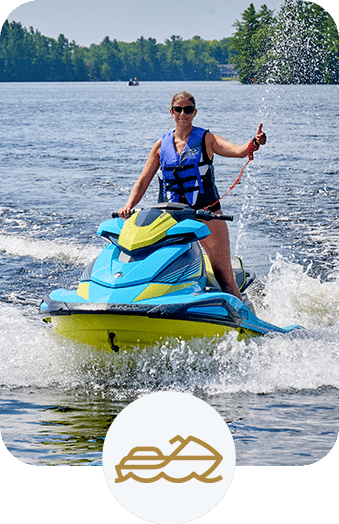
(201,205)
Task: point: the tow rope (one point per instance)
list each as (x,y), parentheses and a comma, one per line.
(250,151)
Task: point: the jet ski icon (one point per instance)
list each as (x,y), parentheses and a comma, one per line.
(193,458)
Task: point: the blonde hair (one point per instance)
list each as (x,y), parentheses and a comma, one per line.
(182,94)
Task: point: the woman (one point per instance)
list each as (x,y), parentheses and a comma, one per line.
(185,156)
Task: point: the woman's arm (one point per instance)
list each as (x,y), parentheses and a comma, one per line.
(151,167)
(215,144)
(218,145)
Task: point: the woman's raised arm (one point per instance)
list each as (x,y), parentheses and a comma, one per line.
(218,145)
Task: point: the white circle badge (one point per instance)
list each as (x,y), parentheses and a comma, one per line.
(169,457)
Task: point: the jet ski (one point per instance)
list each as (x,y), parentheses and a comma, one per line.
(152,282)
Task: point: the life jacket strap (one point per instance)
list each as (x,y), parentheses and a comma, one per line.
(179,191)
(184,167)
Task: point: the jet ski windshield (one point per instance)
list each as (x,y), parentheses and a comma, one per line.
(147,216)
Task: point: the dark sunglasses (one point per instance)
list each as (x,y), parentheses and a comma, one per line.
(188,110)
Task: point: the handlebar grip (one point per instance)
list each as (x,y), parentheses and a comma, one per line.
(209,215)
(223,217)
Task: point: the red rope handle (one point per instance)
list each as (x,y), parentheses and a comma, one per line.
(250,150)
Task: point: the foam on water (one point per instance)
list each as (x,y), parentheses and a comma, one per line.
(34,356)
(30,355)
(43,250)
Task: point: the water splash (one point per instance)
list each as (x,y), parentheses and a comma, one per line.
(299,49)
(34,356)
(291,295)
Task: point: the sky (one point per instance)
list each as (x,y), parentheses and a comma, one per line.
(89,21)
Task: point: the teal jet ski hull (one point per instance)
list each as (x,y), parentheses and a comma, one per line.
(152,282)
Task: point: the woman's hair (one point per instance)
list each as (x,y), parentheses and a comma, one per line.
(182,94)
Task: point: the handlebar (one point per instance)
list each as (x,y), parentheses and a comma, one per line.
(182,211)
(204,214)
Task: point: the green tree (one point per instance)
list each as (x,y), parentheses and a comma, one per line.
(200,65)
(60,57)
(261,42)
(79,62)
(153,65)
(94,62)
(15,53)
(244,45)
(174,65)
(41,64)
(4,36)
(220,51)
(109,53)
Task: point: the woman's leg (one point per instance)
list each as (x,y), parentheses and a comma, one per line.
(217,247)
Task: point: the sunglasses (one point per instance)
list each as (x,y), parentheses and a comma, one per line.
(188,110)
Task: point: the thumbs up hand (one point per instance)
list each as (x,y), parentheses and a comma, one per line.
(260,136)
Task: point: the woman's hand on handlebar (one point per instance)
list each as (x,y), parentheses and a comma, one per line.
(124,212)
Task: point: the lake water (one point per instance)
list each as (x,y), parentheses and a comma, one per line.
(70,154)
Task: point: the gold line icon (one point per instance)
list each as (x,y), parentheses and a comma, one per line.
(149,464)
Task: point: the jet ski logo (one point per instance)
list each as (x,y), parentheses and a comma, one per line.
(193,458)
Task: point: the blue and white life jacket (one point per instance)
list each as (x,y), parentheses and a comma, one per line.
(189,174)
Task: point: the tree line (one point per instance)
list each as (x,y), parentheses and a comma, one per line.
(297,45)
(29,56)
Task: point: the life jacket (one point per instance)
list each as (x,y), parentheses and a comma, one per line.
(189,174)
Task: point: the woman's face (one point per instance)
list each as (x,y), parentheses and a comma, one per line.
(181,116)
